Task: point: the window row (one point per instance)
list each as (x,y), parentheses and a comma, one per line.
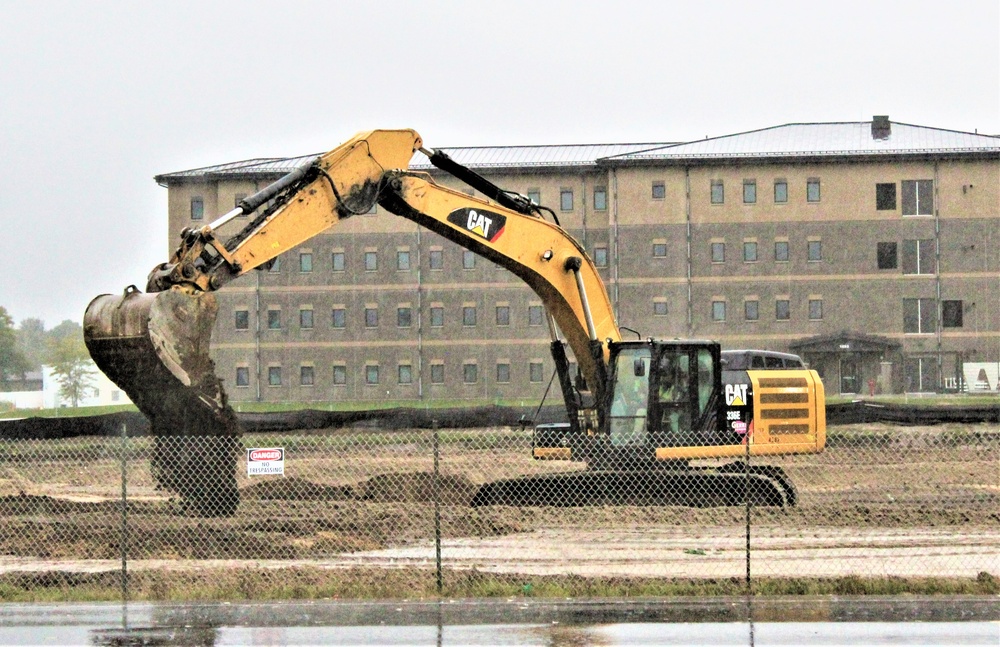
(718,191)
(917,197)
(751,251)
(920,316)
(752,312)
(404,261)
(918,256)
(373,374)
(404,316)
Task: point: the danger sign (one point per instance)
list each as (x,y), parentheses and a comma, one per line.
(265,460)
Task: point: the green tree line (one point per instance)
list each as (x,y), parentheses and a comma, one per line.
(25,348)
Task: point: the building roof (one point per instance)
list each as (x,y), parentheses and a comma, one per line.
(790,141)
(821,140)
(477,157)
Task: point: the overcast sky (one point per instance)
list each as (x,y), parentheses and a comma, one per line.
(98,97)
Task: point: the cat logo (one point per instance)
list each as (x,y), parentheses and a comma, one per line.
(484,224)
(736,395)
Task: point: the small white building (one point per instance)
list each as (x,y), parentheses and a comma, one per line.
(101,392)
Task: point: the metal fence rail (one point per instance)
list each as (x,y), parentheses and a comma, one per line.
(396,513)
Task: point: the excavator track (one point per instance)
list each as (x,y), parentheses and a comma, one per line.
(155,347)
(729,485)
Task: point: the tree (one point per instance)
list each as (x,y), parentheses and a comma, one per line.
(12,361)
(32,341)
(71,365)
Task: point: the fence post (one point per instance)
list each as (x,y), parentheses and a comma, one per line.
(437,508)
(124,528)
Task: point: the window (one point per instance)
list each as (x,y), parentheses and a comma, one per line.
(470,373)
(535,372)
(275,265)
(242,376)
(749,251)
(814,250)
(274,319)
(306,318)
(274,375)
(718,311)
(534,315)
(307,376)
(886,253)
(468,260)
(659,308)
(371,374)
(197,208)
(503,372)
(751,310)
(749,191)
(338,261)
(437,316)
(951,314)
(468,315)
(405,374)
(601,256)
(918,256)
(535,196)
(566,199)
(885,196)
(403,260)
(812,190)
(918,197)
(781,251)
(371,261)
(371,317)
(782,309)
(338,317)
(437,373)
(718,192)
(815,309)
(659,191)
(404,317)
(436,259)
(305,262)
(503,315)
(339,374)
(718,252)
(373,210)
(600,198)
(918,315)
(780,191)
(659,250)
(242,320)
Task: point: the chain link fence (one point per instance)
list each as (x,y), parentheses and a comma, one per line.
(366,511)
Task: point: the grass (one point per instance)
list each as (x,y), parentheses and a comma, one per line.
(377,584)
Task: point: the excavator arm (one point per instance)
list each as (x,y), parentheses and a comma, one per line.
(141,341)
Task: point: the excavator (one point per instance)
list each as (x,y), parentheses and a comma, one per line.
(655,421)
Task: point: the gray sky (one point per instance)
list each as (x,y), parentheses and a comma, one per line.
(97,97)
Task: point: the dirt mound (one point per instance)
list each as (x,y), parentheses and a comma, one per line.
(297,489)
(418,487)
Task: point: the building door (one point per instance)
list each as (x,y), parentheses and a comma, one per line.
(920,374)
(850,375)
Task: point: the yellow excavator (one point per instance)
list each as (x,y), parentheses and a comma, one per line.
(654,420)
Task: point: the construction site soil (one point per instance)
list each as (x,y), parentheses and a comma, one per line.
(904,492)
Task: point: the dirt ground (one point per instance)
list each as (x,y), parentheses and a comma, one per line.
(880,500)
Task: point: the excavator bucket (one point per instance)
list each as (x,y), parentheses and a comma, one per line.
(155,347)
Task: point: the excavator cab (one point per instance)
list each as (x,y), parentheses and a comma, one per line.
(663,394)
